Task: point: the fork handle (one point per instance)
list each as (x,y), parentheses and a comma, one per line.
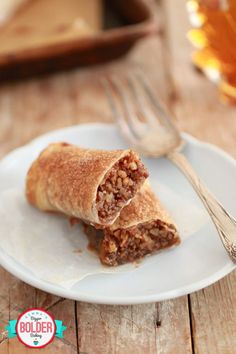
(224,223)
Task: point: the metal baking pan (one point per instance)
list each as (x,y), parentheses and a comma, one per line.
(124,23)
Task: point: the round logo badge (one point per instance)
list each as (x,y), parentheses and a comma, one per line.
(35,328)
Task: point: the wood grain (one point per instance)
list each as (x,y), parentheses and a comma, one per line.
(213,313)
(151,328)
(4,309)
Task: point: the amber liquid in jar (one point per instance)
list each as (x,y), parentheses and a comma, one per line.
(214,37)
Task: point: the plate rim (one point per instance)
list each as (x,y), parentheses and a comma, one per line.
(106,300)
(6,260)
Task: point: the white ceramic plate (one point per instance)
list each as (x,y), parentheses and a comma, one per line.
(198,262)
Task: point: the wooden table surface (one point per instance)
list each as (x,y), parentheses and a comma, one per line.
(203,322)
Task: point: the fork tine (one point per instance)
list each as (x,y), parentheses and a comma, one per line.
(135,126)
(125,128)
(148,115)
(129,108)
(156,104)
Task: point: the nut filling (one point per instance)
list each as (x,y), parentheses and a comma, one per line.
(119,185)
(127,245)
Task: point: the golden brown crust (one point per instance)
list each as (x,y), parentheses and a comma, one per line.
(65,178)
(145,206)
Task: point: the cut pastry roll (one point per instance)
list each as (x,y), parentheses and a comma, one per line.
(92,185)
(142,228)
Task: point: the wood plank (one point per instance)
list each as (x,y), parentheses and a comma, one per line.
(214,313)
(200,112)
(173,322)
(151,328)
(116,329)
(4,310)
(31,108)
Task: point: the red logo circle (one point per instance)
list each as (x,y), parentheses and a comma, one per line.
(35,328)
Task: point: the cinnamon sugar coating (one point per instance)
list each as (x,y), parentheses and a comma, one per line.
(66,178)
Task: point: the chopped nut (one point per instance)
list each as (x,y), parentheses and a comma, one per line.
(126,181)
(122,174)
(119,185)
(109,197)
(133,166)
(148,241)
(170,236)
(113,179)
(162,233)
(131,182)
(155,232)
(124,239)
(112,246)
(109,187)
(117,233)
(119,182)
(122,191)
(148,226)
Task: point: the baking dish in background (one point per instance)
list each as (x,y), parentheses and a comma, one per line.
(124,22)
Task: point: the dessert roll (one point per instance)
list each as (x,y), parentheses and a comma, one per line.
(92,185)
(142,228)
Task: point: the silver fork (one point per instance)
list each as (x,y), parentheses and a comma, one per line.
(147,127)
